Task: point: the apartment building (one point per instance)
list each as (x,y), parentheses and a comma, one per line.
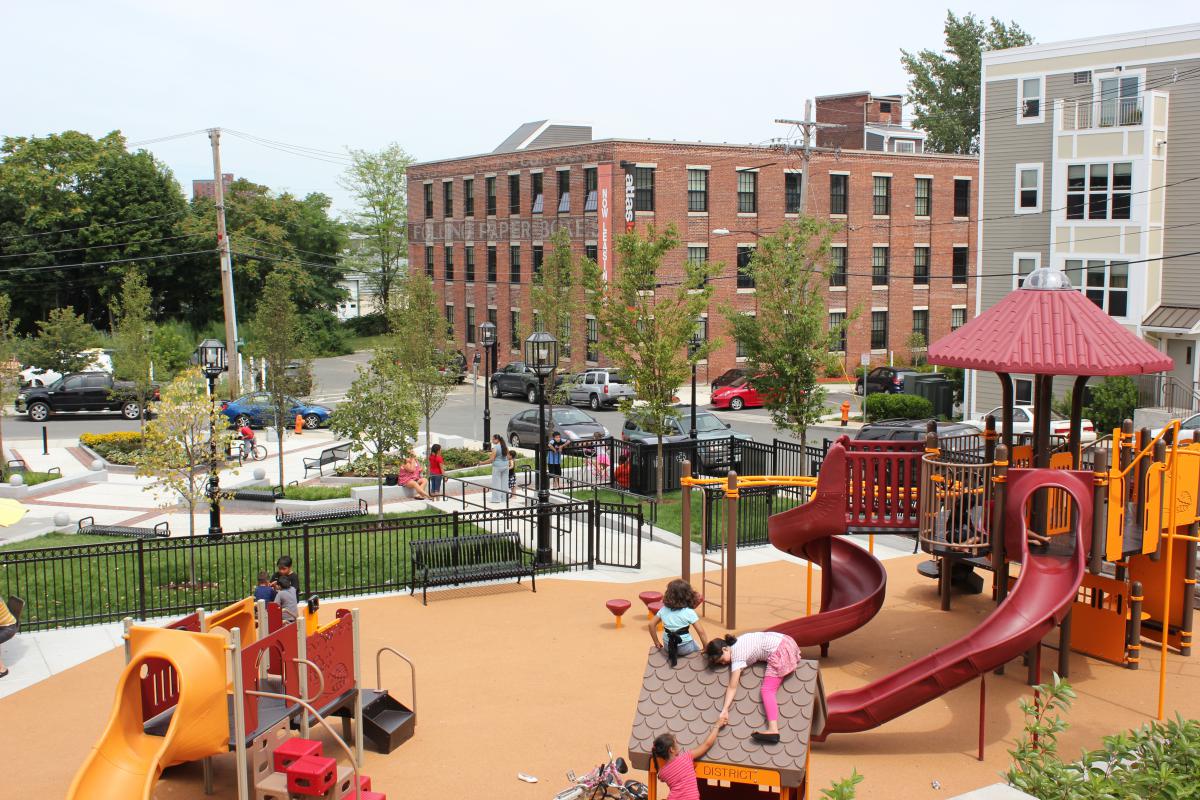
(1091,163)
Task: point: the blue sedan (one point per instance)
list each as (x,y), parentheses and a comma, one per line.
(255,410)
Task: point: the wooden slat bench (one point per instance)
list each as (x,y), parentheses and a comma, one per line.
(466,559)
(259,494)
(329,456)
(88,525)
(320,513)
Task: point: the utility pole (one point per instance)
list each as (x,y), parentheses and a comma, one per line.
(807,127)
(231,340)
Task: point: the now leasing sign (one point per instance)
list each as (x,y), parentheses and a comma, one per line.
(604,176)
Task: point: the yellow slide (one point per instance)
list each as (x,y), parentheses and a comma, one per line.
(127,761)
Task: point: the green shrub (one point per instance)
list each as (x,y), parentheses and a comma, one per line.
(373,324)
(1111,401)
(459,457)
(325,335)
(315,492)
(119,447)
(897,406)
(365,466)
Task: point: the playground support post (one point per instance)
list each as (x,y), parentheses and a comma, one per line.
(1133,644)
(999,560)
(731,527)
(1170,489)
(1076,419)
(301,657)
(1100,513)
(358,707)
(1159,455)
(1189,587)
(239,713)
(1006,413)
(982,711)
(685,536)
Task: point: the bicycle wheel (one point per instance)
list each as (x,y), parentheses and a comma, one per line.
(259,452)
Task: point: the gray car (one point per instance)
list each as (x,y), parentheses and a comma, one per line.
(599,388)
(708,427)
(572,423)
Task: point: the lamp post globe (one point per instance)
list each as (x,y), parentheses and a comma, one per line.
(211,355)
(541,357)
(487,337)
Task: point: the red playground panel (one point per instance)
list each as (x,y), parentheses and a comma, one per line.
(293,750)
(311,776)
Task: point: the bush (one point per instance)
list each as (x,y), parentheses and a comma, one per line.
(373,324)
(365,465)
(897,406)
(1112,401)
(459,457)
(119,447)
(324,334)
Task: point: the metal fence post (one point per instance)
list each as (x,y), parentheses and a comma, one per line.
(685,536)
(731,503)
(141,556)
(454,523)
(306,578)
(593,507)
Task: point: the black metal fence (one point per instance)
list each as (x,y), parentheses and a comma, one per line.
(755,505)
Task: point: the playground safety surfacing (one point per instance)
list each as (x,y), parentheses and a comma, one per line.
(510,681)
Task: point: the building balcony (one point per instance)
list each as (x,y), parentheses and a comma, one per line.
(1115,112)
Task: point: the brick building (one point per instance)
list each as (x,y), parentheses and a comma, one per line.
(479,226)
(867,122)
(207,187)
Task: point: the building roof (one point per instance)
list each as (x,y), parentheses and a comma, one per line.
(895,131)
(1047,332)
(1181,318)
(863,93)
(686,701)
(544,133)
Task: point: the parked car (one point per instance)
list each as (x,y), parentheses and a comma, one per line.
(600,388)
(728,378)
(708,427)
(99,360)
(1023,423)
(515,378)
(81,391)
(572,423)
(255,409)
(456,367)
(1187,427)
(883,379)
(737,395)
(909,430)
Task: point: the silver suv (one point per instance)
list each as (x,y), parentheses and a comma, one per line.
(599,388)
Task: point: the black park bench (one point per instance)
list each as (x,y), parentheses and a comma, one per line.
(466,559)
(329,456)
(258,494)
(321,513)
(88,526)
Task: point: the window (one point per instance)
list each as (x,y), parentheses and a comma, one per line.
(1105,283)
(885,107)
(428,200)
(839,186)
(1027,263)
(589,188)
(428,261)
(921,322)
(470,325)
(593,340)
(701,334)
(697,190)
(469,265)
(469,197)
(837,265)
(1084,76)
(514,330)
(962,197)
(1022,393)
(1119,101)
(920,266)
(491,316)
(448,261)
(879,330)
(490,187)
(564,346)
(739,350)
(904,146)
(564,191)
(537,261)
(745,280)
(514,194)
(514,263)
(924,198)
(491,263)
(793,194)
(958,265)
(1029,188)
(747,190)
(698,254)
(1031,100)
(958,318)
(450,318)
(591,251)
(537,322)
(643,188)
(881,195)
(879,266)
(448,199)
(1103,189)
(837,331)
(536,198)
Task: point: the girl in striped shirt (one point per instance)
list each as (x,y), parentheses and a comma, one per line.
(781,655)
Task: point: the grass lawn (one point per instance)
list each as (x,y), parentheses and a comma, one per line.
(670,510)
(34,478)
(366,342)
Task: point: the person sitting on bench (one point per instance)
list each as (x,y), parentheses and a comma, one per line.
(409,476)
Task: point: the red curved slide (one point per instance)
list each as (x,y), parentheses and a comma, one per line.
(1039,600)
(853,581)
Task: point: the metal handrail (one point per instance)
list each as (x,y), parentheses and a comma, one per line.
(379,671)
(320,675)
(288,698)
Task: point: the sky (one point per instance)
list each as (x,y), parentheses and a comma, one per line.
(452,78)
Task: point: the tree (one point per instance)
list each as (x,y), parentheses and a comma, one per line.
(787,342)
(917,347)
(646,323)
(10,366)
(556,297)
(379,182)
(1111,401)
(943,88)
(421,346)
(60,342)
(277,337)
(380,413)
(133,338)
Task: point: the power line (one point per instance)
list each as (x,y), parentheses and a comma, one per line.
(92,225)
(316,150)
(96,246)
(316,155)
(164,138)
(107,263)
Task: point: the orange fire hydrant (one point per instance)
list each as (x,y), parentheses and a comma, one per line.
(300,424)
(845,413)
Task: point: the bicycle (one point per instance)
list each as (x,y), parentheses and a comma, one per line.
(237,450)
(604,782)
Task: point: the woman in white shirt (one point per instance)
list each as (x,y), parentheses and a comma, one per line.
(781,654)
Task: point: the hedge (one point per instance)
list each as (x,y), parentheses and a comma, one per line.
(119,447)
(897,406)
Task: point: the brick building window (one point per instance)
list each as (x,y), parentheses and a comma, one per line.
(448,199)
(593,340)
(1104,189)
(879,266)
(745,280)
(537,261)
(564,191)
(958,266)
(958,318)
(491,263)
(739,349)
(514,263)
(697,190)
(537,322)
(923,203)
(589,188)
(837,331)
(469,197)
(536,198)
(962,197)
(921,322)
(879,322)
(837,265)
(514,330)
(839,194)
(450,318)
(747,192)
(514,194)
(565,345)
(920,266)
(428,200)
(591,251)
(491,317)
(470,325)
(428,261)
(469,265)
(881,196)
(698,254)
(490,188)
(793,192)
(448,262)
(643,188)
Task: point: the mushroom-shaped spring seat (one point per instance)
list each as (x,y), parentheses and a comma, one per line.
(648,598)
(617,607)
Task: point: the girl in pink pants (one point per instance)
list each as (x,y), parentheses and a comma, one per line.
(781,654)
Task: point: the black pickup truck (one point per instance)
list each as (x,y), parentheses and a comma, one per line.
(81,391)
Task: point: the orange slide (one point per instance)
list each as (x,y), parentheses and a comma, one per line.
(127,761)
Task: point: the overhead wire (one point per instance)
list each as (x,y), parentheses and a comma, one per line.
(98,246)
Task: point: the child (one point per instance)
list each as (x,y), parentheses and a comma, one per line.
(283,567)
(247,434)
(678,770)
(621,473)
(512,471)
(677,616)
(263,591)
(286,598)
(554,459)
(600,465)
(436,469)
(781,653)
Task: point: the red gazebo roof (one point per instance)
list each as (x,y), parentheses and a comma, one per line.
(1047,332)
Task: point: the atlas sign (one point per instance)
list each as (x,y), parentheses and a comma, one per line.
(630,193)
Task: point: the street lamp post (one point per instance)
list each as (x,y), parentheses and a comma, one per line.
(693,348)
(210,355)
(487,335)
(541,356)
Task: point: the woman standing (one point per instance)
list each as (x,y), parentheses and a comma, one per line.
(781,654)
(499,461)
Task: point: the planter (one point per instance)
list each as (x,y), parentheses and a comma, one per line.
(56,485)
(391,494)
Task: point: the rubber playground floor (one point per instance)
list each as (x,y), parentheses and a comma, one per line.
(510,681)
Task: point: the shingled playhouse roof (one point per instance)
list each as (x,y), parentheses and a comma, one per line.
(686,701)
(1047,332)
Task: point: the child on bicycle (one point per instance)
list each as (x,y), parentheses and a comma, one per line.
(678,616)
(247,434)
(678,769)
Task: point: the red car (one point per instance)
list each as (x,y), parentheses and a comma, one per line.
(737,396)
